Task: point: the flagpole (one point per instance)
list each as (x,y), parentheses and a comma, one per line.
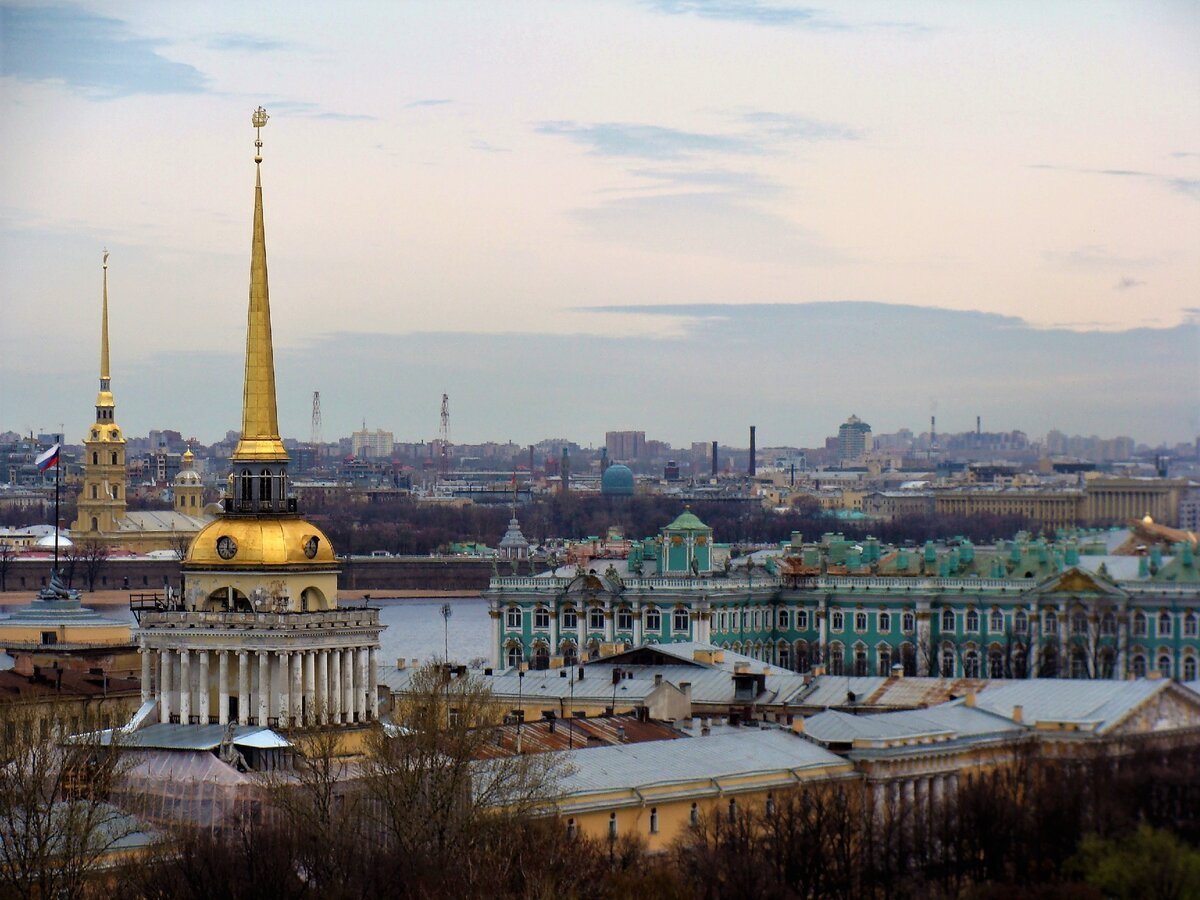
(57,482)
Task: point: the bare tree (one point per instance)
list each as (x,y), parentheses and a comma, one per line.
(7,554)
(56,824)
(95,557)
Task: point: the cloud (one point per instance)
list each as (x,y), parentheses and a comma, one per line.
(1189,187)
(481,144)
(1126,283)
(1093,256)
(743,183)
(247,42)
(798,128)
(415,104)
(92,53)
(646,141)
(773,15)
(308,110)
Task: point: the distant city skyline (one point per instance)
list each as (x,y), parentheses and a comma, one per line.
(679,216)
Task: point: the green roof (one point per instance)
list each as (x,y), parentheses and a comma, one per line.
(687,521)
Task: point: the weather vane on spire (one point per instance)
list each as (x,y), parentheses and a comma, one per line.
(106,257)
(258,120)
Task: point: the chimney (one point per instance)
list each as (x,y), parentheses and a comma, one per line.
(741,668)
(798,725)
(1018,714)
(898,670)
(580,678)
(657,678)
(752,451)
(969,700)
(978,426)
(400,663)
(714,459)
(686,688)
(621,733)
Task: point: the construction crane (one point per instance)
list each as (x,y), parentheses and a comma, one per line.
(444,460)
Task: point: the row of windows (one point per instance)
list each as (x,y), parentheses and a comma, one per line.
(652,619)
(96,456)
(731,810)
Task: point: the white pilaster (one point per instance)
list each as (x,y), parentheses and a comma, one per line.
(185,686)
(296,695)
(360,703)
(203,697)
(164,685)
(223,687)
(373,683)
(335,686)
(244,701)
(146,686)
(264,687)
(310,687)
(348,684)
(323,687)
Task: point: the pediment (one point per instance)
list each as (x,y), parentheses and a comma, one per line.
(1077,581)
(1169,710)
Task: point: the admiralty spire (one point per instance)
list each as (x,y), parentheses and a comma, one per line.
(257,637)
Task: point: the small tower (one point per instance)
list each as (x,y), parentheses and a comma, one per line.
(188,488)
(102,499)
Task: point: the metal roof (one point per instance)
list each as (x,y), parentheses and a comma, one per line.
(168,736)
(1098,704)
(646,765)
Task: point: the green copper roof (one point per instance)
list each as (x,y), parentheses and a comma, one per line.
(687,521)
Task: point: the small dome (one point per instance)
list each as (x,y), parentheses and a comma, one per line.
(1147,520)
(617,481)
(187,478)
(687,521)
(257,543)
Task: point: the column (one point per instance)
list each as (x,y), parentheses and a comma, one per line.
(924,648)
(554,612)
(284,672)
(879,798)
(497,652)
(145,654)
(264,687)
(185,686)
(361,678)
(203,695)
(910,798)
(323,687)
(348,684)
(923,801)
(1064,629)
(335,686)
(243,688)
(1122,641)
(296,696)
(164,685)
(636,609)
(223,687)
(373,682)
(938,791)
(1033,665)
(310,687)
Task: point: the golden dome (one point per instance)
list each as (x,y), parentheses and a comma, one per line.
(1147,520)
(258,543)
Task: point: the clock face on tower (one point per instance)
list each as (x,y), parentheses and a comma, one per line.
(226,547)
(310,546)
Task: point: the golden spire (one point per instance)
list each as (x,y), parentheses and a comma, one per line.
(104,399)
(260,421)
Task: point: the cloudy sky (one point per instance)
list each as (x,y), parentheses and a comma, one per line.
(675,215)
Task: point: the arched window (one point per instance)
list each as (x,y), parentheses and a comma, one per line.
(802,620)
(513,617)
(835,659)
(770,804)
(885,622)
(971,664)
(1079,623)
(570,619)
(1139,666)
(1164,665)
(116,492)
(95,524)
(802,656)
(1021,622)
(1189,668)
(95,457)
(732,809)
(114,458)
(625,619)
(1079,666)
(782,618)
(596,619)
(1164,624)
(1189,625)
(679,620)
(1020,664)
(247,489)
(1108,664)
(837,621)
(908,622)
(1139,624)
(995,664)
(514,655)
(885,660)
(264,485)
(948,620)
(570,829)
(947,662)
(612,826)
(694,815)
(541,618)
(860,622)
(996,625)
(570,654)
(1108,624)
(785,655)
(860,661)
(972,620)
(908,658)
(654,620)
(95,492)
(1051,622)
(654,820)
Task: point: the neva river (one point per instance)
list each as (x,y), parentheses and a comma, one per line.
(414,627)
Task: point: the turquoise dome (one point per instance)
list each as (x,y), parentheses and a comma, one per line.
(617,481)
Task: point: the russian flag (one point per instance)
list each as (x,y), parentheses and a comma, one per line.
(48,459)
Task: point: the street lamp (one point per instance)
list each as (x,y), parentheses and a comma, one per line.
(446,612)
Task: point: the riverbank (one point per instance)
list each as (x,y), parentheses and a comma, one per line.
(121,598)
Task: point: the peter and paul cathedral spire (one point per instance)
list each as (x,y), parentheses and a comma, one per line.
(101,503)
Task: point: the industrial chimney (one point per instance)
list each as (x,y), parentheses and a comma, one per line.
(714,459)
(752,466)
